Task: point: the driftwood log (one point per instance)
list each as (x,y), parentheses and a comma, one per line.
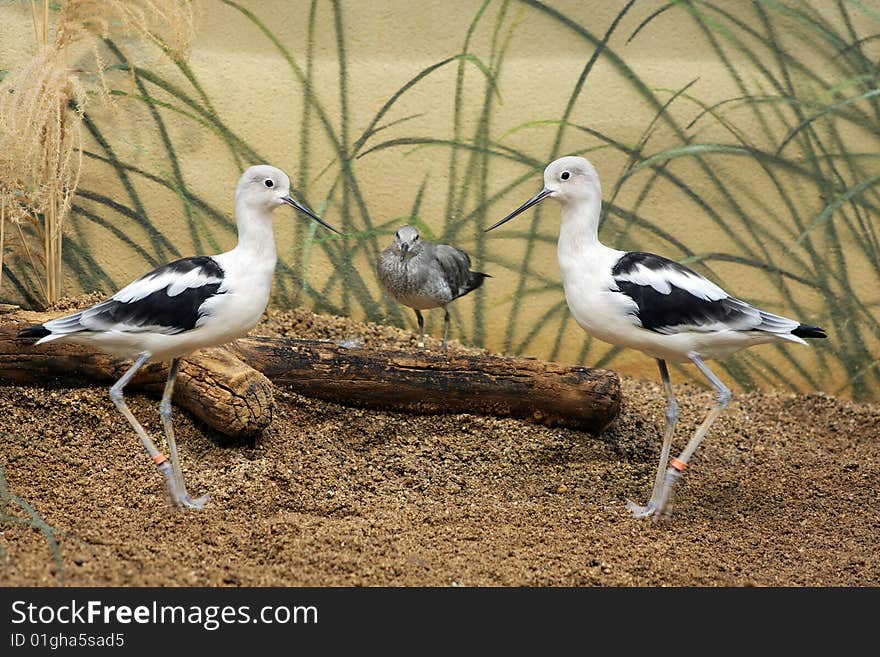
(228,389)
(418,382)
(214,385)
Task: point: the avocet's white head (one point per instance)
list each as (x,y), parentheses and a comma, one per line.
(264,187)
(569,179)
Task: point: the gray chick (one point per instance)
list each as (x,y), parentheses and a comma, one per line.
(422,275)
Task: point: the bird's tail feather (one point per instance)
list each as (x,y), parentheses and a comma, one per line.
(790,337)
(475,280)
(807,331)
(38,331)
(789,329)
(54,329)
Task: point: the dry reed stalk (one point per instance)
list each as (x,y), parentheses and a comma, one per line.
(40,158)
(41,110)
(168,24)
(2,235)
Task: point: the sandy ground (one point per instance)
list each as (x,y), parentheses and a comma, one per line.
(783,493)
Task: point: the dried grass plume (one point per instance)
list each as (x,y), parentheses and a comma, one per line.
(41,110)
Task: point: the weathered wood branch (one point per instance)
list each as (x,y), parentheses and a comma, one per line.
(418,382)
(213,384)
(225,387)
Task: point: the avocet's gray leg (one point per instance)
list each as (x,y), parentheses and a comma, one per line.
(445,327)
(671,421)
(116,396)
(181,495)
(158,457)
(677,466)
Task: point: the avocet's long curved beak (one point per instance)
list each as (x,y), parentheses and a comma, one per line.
(537,198)
(299,206)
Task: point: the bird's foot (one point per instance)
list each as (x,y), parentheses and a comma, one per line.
(666,495)
(639,511)
(664,499)
(443,346)
(421,345)
(177,493)
(659,507)
(186,502)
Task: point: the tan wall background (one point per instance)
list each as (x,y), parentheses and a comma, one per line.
(781,60)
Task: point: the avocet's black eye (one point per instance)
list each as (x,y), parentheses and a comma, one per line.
(397,234)
(565,175)
(268,182)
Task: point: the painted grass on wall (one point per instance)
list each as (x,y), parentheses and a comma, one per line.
(759,170)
